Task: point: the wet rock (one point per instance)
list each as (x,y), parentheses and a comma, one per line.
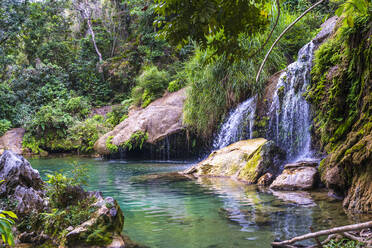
(266,179)
(297,176)
(12,140)
(160,119)
(359,196)
(102,229)
(21,183)
(246,161)
(327,28)
(339,175)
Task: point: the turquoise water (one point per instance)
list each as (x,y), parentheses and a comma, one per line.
(204,213)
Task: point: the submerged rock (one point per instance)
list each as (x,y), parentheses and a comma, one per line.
(266,179)
(12,140)
(299,197)
(297,176)
(22,184)
(245,160)
(160,178)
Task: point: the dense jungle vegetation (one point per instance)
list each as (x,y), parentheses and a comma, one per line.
(60,59)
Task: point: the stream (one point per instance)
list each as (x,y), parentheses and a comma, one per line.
(183,213)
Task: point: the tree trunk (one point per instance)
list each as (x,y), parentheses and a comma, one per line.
(340,230)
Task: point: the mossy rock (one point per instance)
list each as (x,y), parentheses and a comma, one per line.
(102,229)
(341,98)
(245,160)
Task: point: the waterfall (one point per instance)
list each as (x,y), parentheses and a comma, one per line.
(238,125)
(289,113)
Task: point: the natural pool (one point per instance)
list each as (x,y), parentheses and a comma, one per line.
(200,213)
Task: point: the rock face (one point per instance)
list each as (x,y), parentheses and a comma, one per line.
(21,183)
(327,28)
(245,160)
(12,140)
(160,119)
(342,129)
(298,176)
(102,229)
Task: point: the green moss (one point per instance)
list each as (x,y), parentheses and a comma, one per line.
(249,171)
(359,146)
(263,122)
(281,93)
(321,167)
(340,96)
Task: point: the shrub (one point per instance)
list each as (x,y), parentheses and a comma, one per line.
(78,106)
(58,183)
(151,85)
(83,135)
(111,147)
(48,129)
(175,85)
(136,140)
(117,115)
(5,125)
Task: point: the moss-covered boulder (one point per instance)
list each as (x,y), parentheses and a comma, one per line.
(245,160)
(103,229)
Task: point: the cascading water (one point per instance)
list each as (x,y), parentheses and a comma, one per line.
(238,125)
(289,113)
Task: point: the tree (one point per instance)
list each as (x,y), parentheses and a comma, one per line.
(12,15)
(214,23)
(86,11)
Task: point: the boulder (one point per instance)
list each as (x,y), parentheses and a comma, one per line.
(12,140)
(103,229)
(298,176)
(245,160)
(21,183)
(160,119)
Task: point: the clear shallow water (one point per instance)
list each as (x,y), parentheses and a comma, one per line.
(206,213)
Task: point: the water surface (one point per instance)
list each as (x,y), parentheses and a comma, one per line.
(202,213)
